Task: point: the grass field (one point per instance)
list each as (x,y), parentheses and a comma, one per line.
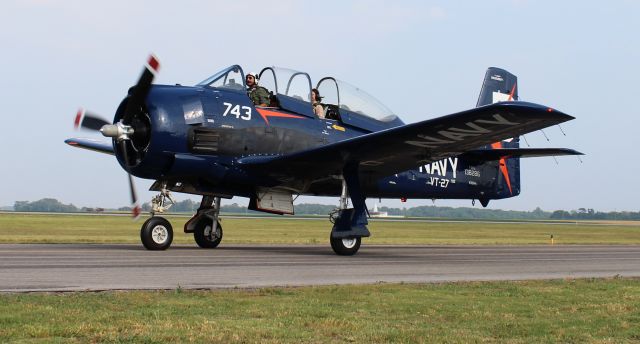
(28,228)
(515,312)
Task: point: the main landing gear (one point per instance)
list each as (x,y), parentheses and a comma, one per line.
(157,233)
(349,225)
(205,225)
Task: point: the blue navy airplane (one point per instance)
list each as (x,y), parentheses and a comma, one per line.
(211,140)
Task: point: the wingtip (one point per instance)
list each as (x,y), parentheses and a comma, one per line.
(560,113)
(549,111)
(569,151)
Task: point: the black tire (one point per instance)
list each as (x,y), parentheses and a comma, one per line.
(156,234)
(345,246)
(204,236)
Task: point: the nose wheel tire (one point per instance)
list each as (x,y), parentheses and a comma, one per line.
(345,246)
(204,236)
(156,234)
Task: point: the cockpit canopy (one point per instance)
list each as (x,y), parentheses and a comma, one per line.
(293,89)
(230,78)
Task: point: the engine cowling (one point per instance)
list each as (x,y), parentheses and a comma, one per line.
(159,132)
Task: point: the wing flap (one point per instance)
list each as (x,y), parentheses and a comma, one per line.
(386,152)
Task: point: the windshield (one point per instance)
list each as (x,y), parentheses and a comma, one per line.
(230,78)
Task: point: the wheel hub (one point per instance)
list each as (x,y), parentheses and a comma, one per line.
(159,234)
(210,234)
(349,242)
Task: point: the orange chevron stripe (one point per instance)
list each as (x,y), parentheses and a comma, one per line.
(513,91)
(503,165)
(265,114)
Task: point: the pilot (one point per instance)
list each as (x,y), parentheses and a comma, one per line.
(315,101)
(259,95)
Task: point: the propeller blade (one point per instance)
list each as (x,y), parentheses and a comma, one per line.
(138,93)
(88,120)
(135,207)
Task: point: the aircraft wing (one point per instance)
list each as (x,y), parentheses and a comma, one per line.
(390,151)
(91,144)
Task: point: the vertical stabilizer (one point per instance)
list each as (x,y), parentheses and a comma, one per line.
(498,86)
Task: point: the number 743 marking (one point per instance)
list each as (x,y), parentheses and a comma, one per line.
(241,112)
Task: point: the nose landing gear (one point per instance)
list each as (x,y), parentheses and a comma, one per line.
(157,233)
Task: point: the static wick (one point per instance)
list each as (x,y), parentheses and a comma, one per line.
(554,158)
(579,158)
(545,135)
(525,140)
(562,130)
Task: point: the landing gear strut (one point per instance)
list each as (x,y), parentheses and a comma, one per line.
(349,225)
(205,225)
(156,233)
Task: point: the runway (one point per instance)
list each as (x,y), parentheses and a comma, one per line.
(77,267)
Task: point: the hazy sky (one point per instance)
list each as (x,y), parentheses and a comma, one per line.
(422,59)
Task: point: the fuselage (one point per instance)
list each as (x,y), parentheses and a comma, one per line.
(198,133)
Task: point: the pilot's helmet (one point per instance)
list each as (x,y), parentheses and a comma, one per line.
(254,75)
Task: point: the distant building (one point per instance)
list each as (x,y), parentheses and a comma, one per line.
(376,213)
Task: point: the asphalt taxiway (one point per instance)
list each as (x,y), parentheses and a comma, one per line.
(73,267)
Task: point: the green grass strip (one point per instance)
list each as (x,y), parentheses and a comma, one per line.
(590,310)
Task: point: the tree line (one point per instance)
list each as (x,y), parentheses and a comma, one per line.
(189,206)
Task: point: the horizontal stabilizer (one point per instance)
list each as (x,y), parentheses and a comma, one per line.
(480,155)
(91,144)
